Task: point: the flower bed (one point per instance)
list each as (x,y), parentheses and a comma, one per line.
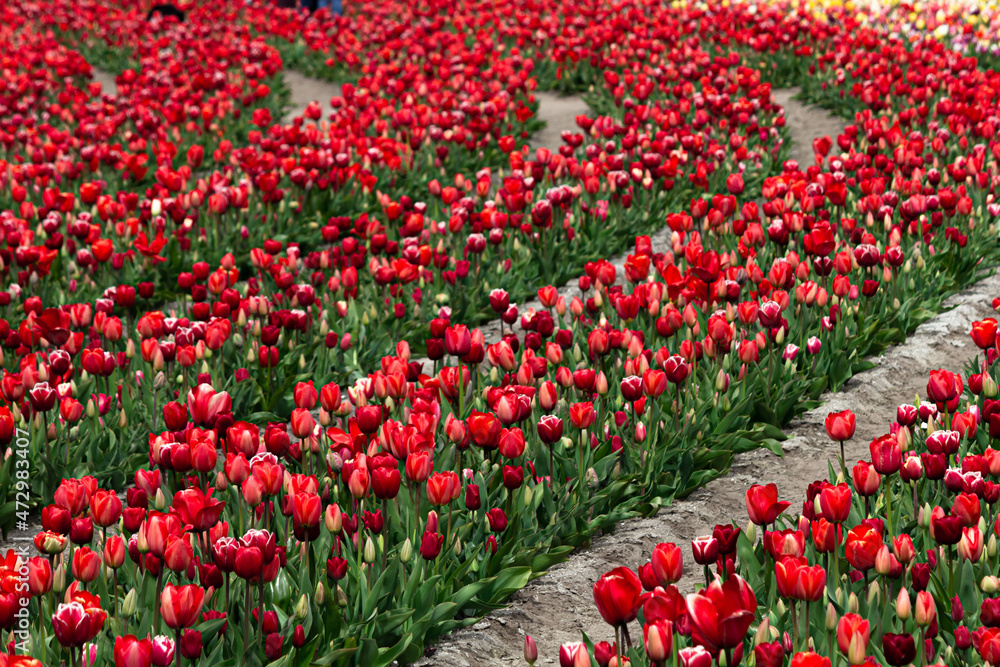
(891,563)
(217,365)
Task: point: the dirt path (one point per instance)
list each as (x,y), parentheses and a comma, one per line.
(557,607)
(107,81)
(559,112)
(305,90)
(805,123)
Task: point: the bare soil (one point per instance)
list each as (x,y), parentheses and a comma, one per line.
(107,81)
(305,90)
(559,113)
(556,608)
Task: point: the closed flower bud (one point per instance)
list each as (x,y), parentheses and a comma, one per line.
(530,650)
(302,607)
(369,554)
(406,552)
(925,613)
(320,596)
(831,617)
(989,585)
(903,607)
(128,606)
(763,635)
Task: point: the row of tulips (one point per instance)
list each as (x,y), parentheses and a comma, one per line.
(892,562)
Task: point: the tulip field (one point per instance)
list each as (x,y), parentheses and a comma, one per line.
(322,388)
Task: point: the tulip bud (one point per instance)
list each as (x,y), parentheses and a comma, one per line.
(924,517)
(874,596)
(320,596)
(302,608)
(989,386)
(406,552)
(333,519)
(831,617)
(341,597)
(926,612)
(159,501)
(751,532)
(990,584)
(59,579)
(128,606)
(852,603)
(903,607)
(779,608)
(763,635)
(369,554)
(856,650)
(458,546)
(530,650)
(991,546)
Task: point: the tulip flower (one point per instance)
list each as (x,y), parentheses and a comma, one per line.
(131,651)
(616,595)
(721,614)
(898,649)
(763,505)
(668,564)
(853,634)
(840,427)
(181,605)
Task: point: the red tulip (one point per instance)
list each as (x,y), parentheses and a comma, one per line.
(205,404)
(809,659)
(658,639)
(616,595)
(180,606)
(862,546)
(550,429)
(305,395)
(988,642)
(721,614)
(898,649)
(198,509)
(130,651)
(763,505)
(866,479)
(86,564)
(705,550)
(668,563)
(39,576)
(484,429)
(887,455)
(840,425)
(114,552)
(582,415)
(303,423)
(835,502)
(105,508)
(385,483)
(78,621)
(945,529)
(984,333)
(175,416)
(430,545)
(852,628)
